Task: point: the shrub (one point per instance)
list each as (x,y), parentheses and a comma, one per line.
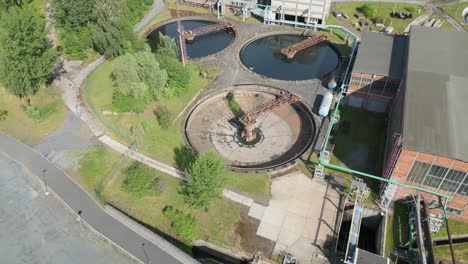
(31,111)
(178,76)
(410,9)
(183,225)
(3,114)
(234,105)
(76,44)
(127,103)
(163,116)
(367,10)
(377,20)
(140,180)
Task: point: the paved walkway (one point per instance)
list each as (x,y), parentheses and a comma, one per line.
(80,202)
(158,6)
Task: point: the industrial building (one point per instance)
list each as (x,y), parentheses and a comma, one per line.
(427,139)
(377,72)
(307,11)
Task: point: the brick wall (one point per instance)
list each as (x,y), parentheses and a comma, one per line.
(403,167)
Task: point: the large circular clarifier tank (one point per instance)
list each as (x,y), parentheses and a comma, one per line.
(201,46)
(263,56)
(282,135)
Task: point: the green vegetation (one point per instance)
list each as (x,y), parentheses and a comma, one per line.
(397,228)
(30,131)
(455,11)
(163,116)
(367,10)
(140,180)
(149,210)
(456,228)
(138,9)
(27,62)
(183,225)
(206,175)
(94,166)
(234,105)
(461,252)
(380,11)
(137,81)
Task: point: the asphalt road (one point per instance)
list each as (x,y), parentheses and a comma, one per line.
(80,201)
(39,229)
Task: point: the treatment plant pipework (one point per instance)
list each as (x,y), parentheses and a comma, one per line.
(283,131)
(206,44)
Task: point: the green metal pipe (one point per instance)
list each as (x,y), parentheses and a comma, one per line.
(336,167)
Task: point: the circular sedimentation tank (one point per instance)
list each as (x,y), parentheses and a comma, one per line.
(282,135)
(199,47)
(263,56)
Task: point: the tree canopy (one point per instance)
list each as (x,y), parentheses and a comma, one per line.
(112,31)
(74,15)
(26,57)
(205,180)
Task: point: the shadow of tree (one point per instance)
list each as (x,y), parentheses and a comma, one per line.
(183,156)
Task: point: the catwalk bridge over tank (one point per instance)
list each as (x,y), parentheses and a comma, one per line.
(293,49)
(191,34)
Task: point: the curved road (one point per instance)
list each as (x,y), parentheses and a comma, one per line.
(79,200)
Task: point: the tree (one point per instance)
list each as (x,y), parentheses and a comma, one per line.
(112,31)
(74,15)
(367,10)
(150,73)
(126,79)
(5,4)
(166,47)
(26,57)
(205,180)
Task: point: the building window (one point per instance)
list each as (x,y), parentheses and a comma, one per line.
(378,85)
(439,177)
(452,180)
(454,210)
(418,172)
(355,80)
(435,176)
(366,81)
(392,87)
(463,189)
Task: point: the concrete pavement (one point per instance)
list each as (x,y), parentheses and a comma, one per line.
(81,202)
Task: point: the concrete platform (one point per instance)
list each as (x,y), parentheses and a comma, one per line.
(301,217)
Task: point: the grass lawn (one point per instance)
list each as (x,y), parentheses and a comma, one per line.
(461,252)
(383,11)
(397,228)
(25,129)
(217,223)
(456,228)
(157,142)
(455,11)
(95,165)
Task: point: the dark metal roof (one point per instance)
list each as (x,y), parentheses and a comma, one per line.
(381,54)
(436,93)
